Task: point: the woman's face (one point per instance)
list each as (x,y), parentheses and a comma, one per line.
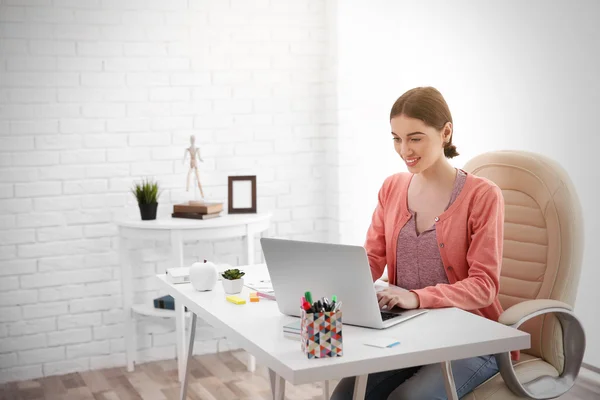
(418,144)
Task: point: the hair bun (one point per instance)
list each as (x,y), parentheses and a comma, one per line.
(450,151)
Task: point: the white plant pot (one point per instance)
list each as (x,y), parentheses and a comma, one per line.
(233,286)
(203,276)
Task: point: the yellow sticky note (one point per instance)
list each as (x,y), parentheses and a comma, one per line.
(235,299)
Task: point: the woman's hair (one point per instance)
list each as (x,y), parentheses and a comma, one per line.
(428,105)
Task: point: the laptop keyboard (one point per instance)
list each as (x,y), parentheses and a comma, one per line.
(388,315)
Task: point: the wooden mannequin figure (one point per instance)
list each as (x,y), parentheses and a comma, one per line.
(193,152)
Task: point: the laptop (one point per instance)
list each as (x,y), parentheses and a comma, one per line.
(327,269)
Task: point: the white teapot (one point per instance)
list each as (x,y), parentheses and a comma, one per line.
(203,275)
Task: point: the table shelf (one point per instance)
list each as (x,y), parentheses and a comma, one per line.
(149,310)
(178,231)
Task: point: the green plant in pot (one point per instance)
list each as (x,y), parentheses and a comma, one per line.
(233,281)
(146,194)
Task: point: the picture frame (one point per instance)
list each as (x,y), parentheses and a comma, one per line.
(241,194)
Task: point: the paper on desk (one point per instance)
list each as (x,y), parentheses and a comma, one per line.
(263,285)
(382,342)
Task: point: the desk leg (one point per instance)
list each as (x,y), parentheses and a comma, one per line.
(251,363)
(360,387)
(249,261)
(449,381)
(189,357)
(249,246)
(277,385)
(180,344)
(177,261)
(326,390)
(127,286)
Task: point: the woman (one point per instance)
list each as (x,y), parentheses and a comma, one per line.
(439,230)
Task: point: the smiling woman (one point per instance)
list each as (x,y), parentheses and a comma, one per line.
(439,231)
(421,124)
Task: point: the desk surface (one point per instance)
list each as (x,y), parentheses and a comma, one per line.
(439,335)
(225,220)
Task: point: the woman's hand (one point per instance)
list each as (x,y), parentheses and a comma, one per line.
(392,297)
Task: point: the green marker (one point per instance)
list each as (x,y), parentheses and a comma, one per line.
(334,298)
(308,297)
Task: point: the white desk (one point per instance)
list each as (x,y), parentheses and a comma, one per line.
(439,336)
(178,231)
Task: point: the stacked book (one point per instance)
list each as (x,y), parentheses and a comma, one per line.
(197,210)
(292,331)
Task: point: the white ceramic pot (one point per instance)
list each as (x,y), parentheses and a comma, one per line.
(233,286)
(203,275)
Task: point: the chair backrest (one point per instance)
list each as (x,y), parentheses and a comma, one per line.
(543,239)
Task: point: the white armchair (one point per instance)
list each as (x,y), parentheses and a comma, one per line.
(543,248)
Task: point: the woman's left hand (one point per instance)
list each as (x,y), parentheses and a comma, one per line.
(392,297)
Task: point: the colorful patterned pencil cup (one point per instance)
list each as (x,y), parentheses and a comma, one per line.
(321,334)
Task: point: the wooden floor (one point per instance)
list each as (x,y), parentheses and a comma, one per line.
(220,376)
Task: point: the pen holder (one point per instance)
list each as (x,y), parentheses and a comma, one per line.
(321,334)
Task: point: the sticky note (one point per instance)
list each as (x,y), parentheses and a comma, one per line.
(235,299)
(254,297)
(382,342)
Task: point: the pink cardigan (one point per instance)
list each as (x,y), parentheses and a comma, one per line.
(470,238)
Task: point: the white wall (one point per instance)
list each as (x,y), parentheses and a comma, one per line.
(516,75)
(97,93)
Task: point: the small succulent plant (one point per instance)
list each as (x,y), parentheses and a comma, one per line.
(233,274)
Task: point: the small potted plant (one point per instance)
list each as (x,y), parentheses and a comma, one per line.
(147,193)
(233,281)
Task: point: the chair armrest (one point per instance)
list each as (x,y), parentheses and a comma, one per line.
(514,315)
(545,387)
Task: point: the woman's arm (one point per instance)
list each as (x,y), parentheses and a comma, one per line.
(375,243)
(484,257)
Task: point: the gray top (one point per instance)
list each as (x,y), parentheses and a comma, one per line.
(418,260)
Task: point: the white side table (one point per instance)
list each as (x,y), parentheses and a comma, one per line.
(178,231)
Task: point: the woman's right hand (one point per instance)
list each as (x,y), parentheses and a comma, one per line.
(397,297)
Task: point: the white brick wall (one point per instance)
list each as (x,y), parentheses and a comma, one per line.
(95,94)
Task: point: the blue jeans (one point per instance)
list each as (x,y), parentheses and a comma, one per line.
(422,383)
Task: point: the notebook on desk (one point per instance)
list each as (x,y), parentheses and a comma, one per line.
(292,330)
